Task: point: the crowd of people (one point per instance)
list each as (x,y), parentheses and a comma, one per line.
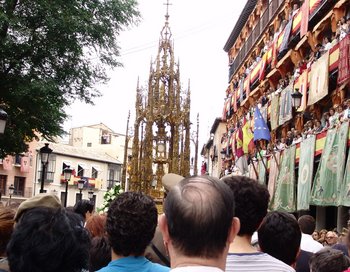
(207,225)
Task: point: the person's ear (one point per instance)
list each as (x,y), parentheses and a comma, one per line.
(235,226)
(163,226)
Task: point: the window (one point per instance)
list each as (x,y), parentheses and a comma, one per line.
(3,180)
(105,138)
(65,165)
(89,144)
(18,160)
(80,170)
(94,172)
(19,184)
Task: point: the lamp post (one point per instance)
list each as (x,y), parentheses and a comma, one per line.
(296,98)
(3,120)
(11,191)
(45,152)
(80,187)
(67,172)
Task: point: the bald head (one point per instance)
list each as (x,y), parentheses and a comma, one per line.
(199,212)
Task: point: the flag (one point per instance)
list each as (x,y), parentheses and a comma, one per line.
(305,18)
(344,61)
(319,78)
(285,110)
(239,143)
(330,171)
(25,164)
(286,35)
(263,67)
(261,131)
(7,163)
(273,172)
(284,195)
(306,163)
(248,138)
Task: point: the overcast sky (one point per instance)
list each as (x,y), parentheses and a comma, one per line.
(200,29)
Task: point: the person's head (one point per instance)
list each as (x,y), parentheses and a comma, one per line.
(6,227)
(84,207)
(331,111)
(131,223)
(331,238)
(199,219)
(279,235)
(307,224)
(40,200)
(48,239)
(251,202)
(100,253)
(95,224)
(329,260)
(315,235)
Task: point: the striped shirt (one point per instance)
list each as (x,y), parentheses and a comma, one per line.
(258,261)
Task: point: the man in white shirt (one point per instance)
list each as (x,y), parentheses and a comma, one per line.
(307,226)
(198,224)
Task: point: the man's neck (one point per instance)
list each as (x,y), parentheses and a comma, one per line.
(117,257)
(183,261)
(242,244)
(179,260)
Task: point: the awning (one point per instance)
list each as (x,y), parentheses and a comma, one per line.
(83,165)
(97,168)
(328,16)
(68,163)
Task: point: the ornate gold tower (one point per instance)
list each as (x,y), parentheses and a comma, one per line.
(161,141)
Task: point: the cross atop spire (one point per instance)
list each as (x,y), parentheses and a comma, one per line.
(167,9)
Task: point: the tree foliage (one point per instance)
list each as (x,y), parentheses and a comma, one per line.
(53,52)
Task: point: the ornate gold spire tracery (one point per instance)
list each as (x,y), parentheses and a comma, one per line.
(162,124)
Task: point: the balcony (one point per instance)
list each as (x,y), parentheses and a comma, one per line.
(255,35)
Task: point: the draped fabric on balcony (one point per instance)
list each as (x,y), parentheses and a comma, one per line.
(345,188)
(284,196)
(285,105)
(330,172)
(301,83)
(305,18)
(273,173)
(25,167)
(344,60)
(262,171)
(305,172)
(275,101)
(319,79)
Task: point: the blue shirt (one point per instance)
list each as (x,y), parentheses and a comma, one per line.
(131,263)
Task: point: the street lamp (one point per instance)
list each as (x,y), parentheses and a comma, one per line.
(296,98)
(45,152)
(67,172)
(11,191)
(3,120)
(80,187)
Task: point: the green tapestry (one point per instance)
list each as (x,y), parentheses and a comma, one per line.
(262,171)
(345,188)
(306,168)
(330,171)
(275,100)
(284,196)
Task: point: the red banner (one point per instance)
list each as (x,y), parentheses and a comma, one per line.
(305,18)
(344,68)
(7,163)
(25,165)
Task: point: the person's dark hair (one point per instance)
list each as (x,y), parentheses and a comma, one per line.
(48,239)
(83,206)
(131,223)
(329,260)
(6,227)
(307,224)
(100,253)
(279,235)
(251,201)
(199,213)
